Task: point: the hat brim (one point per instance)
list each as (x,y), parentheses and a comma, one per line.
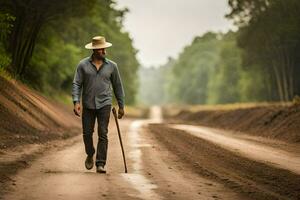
(100,46)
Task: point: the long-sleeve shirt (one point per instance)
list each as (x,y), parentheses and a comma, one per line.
(97,85)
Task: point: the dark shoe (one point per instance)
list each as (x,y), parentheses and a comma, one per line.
(89,162)
(101,169)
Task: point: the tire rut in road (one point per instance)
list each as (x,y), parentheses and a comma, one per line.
(250,178)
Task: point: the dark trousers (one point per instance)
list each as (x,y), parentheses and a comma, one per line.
(88,123)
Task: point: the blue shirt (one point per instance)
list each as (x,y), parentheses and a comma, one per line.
(97,85)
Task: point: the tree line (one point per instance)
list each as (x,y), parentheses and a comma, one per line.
(42,41)
(258,62)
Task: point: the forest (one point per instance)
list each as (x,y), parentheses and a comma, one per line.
(41,41)
(258,62)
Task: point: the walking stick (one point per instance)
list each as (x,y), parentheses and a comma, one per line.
(120,138)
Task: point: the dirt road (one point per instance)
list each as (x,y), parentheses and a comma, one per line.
(164,162)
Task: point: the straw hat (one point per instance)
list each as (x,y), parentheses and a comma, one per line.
(98,42)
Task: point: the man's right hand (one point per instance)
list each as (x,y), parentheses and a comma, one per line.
(77,109)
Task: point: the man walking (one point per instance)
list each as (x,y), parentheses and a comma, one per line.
(96,76)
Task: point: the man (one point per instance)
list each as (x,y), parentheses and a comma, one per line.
(96,76)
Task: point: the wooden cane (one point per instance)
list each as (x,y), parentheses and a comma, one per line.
(120,138)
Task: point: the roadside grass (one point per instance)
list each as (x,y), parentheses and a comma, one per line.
(173,110)
(61,97)
(5,74)
(132,111)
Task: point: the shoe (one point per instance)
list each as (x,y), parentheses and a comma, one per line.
(101,169)
(89,162)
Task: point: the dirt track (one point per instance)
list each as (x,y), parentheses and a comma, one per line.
(163,163)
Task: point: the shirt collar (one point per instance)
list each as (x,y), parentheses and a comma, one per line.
(104,60)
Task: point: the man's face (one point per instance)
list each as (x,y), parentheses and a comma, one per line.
(99,53)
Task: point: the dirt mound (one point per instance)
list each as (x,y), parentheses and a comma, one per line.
(251,179)
(27,117)
(274,121)
(29,123)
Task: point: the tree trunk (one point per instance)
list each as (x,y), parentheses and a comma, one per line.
(283,72)
(28,49)
(15,40)
(278,81)
(23,41)
(290,73)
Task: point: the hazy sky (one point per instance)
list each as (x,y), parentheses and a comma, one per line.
(161,28)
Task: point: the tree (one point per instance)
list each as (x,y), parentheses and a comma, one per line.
(60,48)
(191,71)
(223,83)
(270,38)
(243,11)
(6,21)
(30,17)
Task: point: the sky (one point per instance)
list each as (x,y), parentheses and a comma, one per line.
(162,28)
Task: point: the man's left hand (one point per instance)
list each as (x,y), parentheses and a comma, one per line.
(120,113)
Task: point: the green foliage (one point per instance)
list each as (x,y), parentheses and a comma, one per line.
(60,48)
(4,58)
(271,41)
(30,18)
(210,71)
(260,62)
(6,26)
(253,86)
(41,41)
(191,70)
(296,100)
(242,11)
(52,65)
(223,82)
